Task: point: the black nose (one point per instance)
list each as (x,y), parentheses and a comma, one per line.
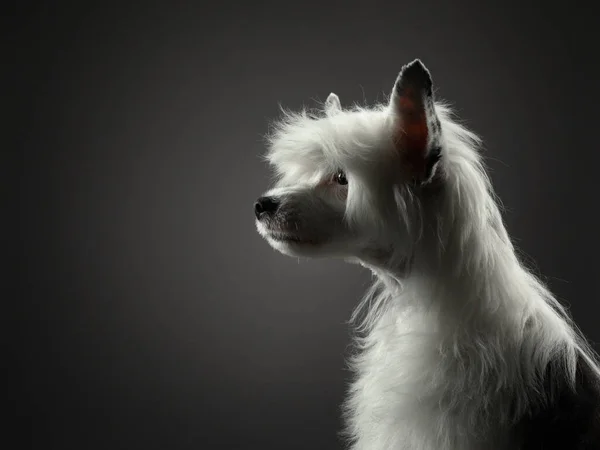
(267,205)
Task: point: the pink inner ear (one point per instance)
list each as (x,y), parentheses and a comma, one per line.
(412,132)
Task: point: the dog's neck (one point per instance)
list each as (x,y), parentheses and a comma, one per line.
(445,274)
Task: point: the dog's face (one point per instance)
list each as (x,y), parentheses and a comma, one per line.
(307,217)
(345,177)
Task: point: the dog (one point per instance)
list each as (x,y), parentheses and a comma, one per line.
(457,345)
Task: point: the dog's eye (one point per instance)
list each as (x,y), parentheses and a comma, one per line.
(340,178)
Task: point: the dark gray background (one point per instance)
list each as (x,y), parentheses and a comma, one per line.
(152,313)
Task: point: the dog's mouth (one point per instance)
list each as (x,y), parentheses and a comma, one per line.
(290,238)
(288,230)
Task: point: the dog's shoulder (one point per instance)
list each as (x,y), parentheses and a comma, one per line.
(571,419)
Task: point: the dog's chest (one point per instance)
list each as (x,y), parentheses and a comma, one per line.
(399,399)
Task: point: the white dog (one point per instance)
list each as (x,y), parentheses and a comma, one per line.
(459,346)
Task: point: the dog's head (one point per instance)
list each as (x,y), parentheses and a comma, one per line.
(349,180)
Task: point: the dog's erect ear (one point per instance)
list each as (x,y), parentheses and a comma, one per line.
(416,128)
(332,104)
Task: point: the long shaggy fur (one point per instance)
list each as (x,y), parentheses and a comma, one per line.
(458,344)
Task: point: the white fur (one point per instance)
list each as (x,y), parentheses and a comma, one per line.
(455,328)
